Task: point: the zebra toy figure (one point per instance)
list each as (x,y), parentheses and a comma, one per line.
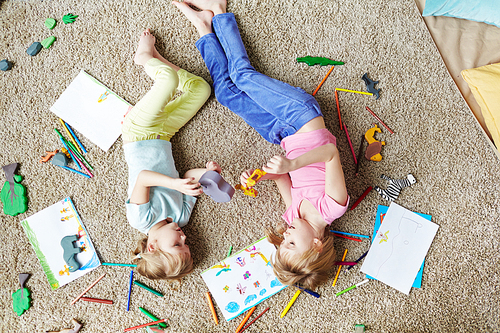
(395,186)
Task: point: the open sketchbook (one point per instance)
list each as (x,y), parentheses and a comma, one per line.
(46,229)
(244,279)
(92,109)
(399,248)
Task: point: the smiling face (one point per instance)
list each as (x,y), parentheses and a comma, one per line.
(298,238)
(168,237)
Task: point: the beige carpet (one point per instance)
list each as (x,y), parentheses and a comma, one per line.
(435,138)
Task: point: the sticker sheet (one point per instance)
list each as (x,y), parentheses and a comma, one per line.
(46,231)
(244,279)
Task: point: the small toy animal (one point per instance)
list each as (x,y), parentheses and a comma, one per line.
(370,86)
(395,186)
(69,252)
(374,146)
(75,329)
(216,187)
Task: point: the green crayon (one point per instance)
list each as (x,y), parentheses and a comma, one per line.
(147,313)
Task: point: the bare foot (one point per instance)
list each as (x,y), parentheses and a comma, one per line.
(145,48)
(214,166)
(215,6)
(201,20)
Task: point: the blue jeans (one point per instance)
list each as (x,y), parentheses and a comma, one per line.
(273,108)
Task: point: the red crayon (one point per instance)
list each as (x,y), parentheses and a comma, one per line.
(362,197)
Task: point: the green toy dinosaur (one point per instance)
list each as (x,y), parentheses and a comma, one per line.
(311,61)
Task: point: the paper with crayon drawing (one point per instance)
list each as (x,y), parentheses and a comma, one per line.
(46,229)
(92,109)
(399,248)
(244,279)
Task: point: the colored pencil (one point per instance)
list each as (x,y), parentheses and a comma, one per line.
(229,252)
(338,108)
(323,81)
(345,263)
(130,289)
(379,120)
(253,321)
(151,316)
(83,165)
(289,305)
(80,156)
(358,260)
(362,197)
(73,170)
(144,325)
(67,148)
(211,304)
(76,138)
(88,288)
(69,134)
(96,300)
(352,287)
(347,237)
(310,292)
(249,313)
(115,264)
(349,234)
(338,271)
(350,144)
(360,153)
(354,91)
(142,285)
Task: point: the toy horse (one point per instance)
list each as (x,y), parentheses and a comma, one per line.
(374,146)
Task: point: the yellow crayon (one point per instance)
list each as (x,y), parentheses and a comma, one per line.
(289,305)
(354,91)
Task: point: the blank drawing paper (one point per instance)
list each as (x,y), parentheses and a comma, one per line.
(92,109)
(244,279)
(399,248)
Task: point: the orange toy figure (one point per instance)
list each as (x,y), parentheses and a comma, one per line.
(49,155)
(256,175)
(374,146)
(247,190)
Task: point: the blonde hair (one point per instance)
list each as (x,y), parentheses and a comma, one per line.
(160,264)
(311,269)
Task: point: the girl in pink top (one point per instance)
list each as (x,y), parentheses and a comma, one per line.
(310,177)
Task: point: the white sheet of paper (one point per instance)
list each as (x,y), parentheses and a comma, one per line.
(243,280)
(92,109)
(45,230)
(399,248)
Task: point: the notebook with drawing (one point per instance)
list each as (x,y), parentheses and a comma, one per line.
(399,248)
(45,231)
(244,279)
(92,109)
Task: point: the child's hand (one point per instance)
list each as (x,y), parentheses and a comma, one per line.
(188,186)
(245,175)
(279,165)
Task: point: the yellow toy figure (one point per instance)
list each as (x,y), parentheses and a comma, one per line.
(252,180)
(374,146)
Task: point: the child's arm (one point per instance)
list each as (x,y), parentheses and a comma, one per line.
(146,179)
(334,177)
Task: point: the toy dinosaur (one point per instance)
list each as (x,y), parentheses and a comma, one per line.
(75,329)
(374,146)
(311,61)
(216,187)
(69,252)
(370,86)
(13,194)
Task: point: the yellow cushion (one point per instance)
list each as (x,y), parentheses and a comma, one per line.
(484,82)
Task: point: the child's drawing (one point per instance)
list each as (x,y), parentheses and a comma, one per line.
(249,281)
(46,229)
(396,260)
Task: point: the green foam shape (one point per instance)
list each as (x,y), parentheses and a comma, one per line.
(17,202)
(50,23)
(47,42)
(69,18)
(21,304)
(311,61)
